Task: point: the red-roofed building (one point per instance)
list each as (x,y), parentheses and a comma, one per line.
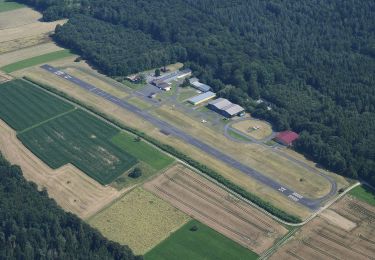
(286,137)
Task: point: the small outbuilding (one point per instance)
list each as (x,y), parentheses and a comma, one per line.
(286,138)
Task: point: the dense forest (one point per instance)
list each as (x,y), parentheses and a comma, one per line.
(313,60)
(32,226)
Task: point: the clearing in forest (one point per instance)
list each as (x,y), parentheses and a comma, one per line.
(140,220)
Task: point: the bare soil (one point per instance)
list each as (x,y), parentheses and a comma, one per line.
(212,205)
(73,190)
(330,238)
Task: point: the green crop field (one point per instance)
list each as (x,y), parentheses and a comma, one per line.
(23,105)
(8,6)
(142,151)
(36,60)
(364,193)
(83,140)
(204,243)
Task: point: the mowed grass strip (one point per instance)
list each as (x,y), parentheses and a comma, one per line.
(23,105)
(203,243)
(143,151)
(364,193)
(36,60)
(8,6)
(82,140)
(140,220)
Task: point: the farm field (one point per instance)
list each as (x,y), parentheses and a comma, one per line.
(204,243)
(215,207)
(364,193)
(22,28)
(72,189)
(346,231)
(142,151)
(139,219)
(23,105)
(36,60)
(254,128)
(83,140)
(131,120)
(7,6)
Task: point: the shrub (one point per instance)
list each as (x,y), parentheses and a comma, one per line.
(136,173)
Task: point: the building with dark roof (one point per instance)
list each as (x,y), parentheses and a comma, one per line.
(286,138)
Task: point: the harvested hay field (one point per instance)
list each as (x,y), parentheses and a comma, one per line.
(26,53)
(72,189)
(215,207)
(18,44)
(140,220)
(4,78)
(18,17)
(254,128)
(330,238)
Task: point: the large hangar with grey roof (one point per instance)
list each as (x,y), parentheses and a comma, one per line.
(225,107)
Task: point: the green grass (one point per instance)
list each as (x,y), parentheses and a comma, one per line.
(186,93)
(205,243)
(36,60)
(237,136)
(82,140)
(23,105)
(8,6)
(143,151)
(364,193)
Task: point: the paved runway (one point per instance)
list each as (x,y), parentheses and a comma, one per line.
(312,204)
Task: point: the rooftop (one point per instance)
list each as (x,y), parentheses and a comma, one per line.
(287,137)
(220,103)
(202,97)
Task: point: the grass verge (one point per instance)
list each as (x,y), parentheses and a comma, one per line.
(203,243)
(36,60)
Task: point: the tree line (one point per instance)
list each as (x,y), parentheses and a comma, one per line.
(33,226)
(313,61)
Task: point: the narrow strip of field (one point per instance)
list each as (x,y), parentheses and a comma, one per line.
(197,241)
(216,208)
(142,151)
(140,220)
(22,105)
(83,140)
(364,193)
(36,61)
(8,6)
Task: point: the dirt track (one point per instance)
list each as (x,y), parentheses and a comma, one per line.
(215,207)
(73,190)
(325,238)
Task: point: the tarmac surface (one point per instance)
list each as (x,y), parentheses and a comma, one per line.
(312,204)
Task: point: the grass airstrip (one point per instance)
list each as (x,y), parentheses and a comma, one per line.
(36,60)
(59,133)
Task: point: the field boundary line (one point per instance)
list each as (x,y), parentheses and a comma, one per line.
(47,120)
